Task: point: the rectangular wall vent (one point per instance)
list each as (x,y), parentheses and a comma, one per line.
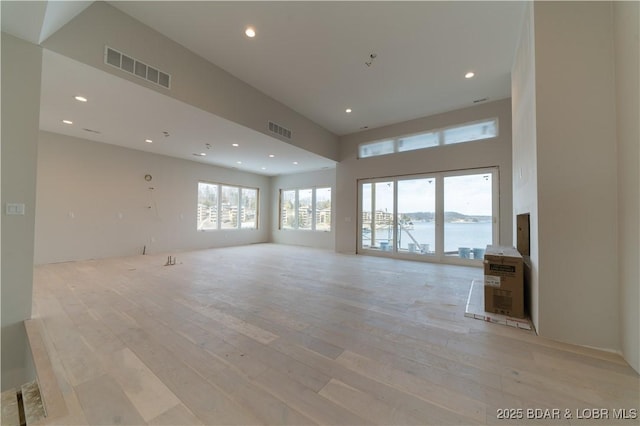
(133,66)
(279,130)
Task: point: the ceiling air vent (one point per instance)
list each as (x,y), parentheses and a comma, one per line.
(133,66)
(279,130)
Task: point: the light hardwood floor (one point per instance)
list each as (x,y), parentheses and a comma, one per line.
(273,334)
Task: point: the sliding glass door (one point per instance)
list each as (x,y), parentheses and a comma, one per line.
(449,216)
(468,215)
(377,216)
(416,223)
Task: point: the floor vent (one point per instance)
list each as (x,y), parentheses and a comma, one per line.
(279,130)
(133,66)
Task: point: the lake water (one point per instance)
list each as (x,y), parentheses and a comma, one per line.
(456,235)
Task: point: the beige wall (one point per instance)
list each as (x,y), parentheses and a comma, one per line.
(193,79)
(21,65)
(525,168)
(627,51)
(573,170)
(577,177)
(487,153)
(319,179)
(93,202)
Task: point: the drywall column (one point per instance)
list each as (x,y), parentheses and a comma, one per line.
(626,19)
(21,69)
(576,173)
(525,172)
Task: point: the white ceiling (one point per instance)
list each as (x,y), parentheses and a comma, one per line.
(126,114)
(311,55)
(35,21)
(308,55)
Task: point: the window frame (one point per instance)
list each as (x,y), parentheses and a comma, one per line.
(239,206)
(439,177)
(296,208)
(440,135)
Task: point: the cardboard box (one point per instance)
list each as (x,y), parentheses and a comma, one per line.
(503,281)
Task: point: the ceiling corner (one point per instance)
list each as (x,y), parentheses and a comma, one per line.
(36,21)
(58,14)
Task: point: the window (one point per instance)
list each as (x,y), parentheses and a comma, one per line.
(306,209)
(288,210)
(237,207)
(415,226)
(323,209)
(471,132)
(425,140)
(376,148)
(466,132)
(207,206)
(377,215)
(249,209)
(468,214)
(229,207)
(445,217)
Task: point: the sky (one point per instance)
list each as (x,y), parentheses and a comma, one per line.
(469,195)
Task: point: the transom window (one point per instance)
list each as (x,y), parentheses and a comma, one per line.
(467,132)
(306,209)
(226,207)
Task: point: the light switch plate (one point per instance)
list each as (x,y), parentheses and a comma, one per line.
(15,209)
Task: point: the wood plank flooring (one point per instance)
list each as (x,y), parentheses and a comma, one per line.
(273,334)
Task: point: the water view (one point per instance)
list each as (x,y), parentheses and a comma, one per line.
(419,237)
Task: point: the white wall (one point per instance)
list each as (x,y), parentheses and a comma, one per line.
(575,139)
(21,65)
(627,51)
(93,202)
(194,80)
(487,153)
(319,179)
(525,167)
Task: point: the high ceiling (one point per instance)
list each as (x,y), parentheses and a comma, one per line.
(123,113)
(311,56)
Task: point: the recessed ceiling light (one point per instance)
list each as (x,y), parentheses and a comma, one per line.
(470,74)
(250,32)
(80,98)
(203,154)
(263,168)
(271,155)
(148,141)
(67,121)
(238,162)
(235,144)
(348,110)
(295,162)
